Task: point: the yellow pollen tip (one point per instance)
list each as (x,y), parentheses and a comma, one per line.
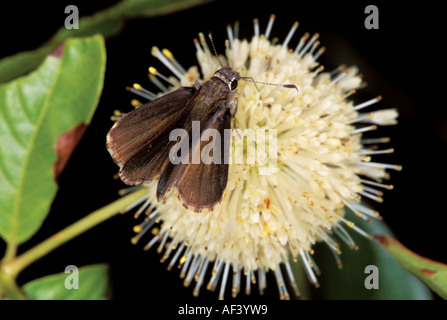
(155,231)
(366,159)
(152,70)
(137,228)
(134,240)
(135,103)
(137,86)
(398,168)
(155,51)
(167,53)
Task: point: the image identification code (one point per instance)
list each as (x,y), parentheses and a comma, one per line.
(230,309)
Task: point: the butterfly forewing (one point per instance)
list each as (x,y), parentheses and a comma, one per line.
(138,141)
(201,186)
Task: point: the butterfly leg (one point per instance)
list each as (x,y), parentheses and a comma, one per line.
(232,104)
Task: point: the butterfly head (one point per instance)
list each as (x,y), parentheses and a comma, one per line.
(229,76)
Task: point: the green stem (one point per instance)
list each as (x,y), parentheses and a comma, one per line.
(9,289)
(13,267)
(11,251)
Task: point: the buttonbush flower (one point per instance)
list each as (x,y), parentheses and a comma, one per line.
(323,165)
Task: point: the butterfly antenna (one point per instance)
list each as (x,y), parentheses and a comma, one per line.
(288,86)
(210,35)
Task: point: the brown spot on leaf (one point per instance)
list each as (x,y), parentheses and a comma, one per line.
(380,239)
(57,53)
(64,147)
(428,272)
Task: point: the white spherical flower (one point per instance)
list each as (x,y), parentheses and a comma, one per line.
(288,199)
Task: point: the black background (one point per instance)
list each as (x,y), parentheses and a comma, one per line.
(403,61)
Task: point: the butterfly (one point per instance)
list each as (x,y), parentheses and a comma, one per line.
(142,143)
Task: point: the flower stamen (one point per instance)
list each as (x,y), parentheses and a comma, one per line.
(168,63)
(290,34)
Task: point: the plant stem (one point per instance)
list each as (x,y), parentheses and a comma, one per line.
(9,289)
(13,267)
(11,251)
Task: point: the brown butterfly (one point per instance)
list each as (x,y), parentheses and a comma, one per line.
(140,142)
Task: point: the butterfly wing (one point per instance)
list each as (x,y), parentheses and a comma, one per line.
(138,141)
(201,186)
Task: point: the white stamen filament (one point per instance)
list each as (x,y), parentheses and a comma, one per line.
(230,35)
(160,56)
(290,34)
(376,152)
(144,94)
(309,44)
(256,27)
(367,103)
(155,72)
(381,165)
(158,83)
(381,185)
(224,281)
(176,256)
(371,196)
(364,129)
(269,26)
(307,267)
(171,58)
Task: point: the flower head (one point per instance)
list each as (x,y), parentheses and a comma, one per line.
(323,164)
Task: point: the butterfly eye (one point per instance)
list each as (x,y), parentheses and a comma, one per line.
(233,84)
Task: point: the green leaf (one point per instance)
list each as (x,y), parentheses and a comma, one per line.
(349,282)
(92,284)
(35,111)
(432,273)
(108,22)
